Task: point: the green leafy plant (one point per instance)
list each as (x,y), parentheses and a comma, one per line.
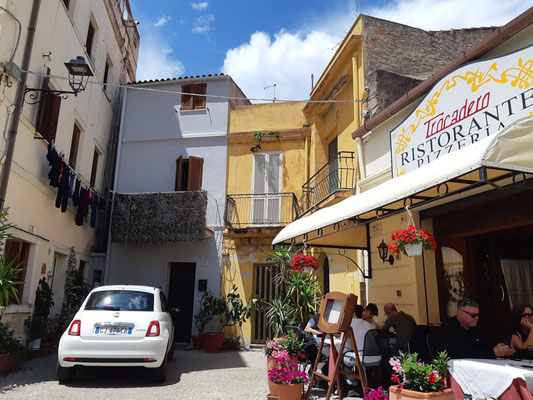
(258,136)
(303,295)
(8,343)
(229,310)
(282,257)
(36,325)
(75,291)
(9,271)
(414,375)
(202,319)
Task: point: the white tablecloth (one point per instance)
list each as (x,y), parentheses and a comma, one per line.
(490,378)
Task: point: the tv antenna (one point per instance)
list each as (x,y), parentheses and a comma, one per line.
(274,94)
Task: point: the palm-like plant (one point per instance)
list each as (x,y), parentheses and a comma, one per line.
(9,271)
(303,294)
(278,316)
(282,257)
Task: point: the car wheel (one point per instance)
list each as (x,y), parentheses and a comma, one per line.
(170,355)
(160,374)
(64,374)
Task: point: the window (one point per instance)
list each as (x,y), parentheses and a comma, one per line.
(108,66)
(74,145)
(90,38)
(189,174)
(191,102)
(82,269)
(17,252)
(94,168)
(48,114)
(121,300)
(97,278)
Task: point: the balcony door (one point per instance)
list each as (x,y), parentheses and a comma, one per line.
(332,166)
(267,181)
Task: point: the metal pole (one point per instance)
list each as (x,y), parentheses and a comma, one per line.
(19,101)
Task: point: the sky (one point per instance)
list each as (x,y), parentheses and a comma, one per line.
(262,43)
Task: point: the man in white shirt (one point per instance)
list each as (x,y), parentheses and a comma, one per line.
(360,327)
(371,311)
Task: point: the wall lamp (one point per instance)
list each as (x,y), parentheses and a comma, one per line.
(78,75)
(383,250)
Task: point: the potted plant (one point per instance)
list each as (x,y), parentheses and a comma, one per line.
(304,263)
(418,380)
(412,241)
(200,321)
(287,381)
(287,346)
(36,324)
(11,351)
(9,272)
(232,342)
(229,310)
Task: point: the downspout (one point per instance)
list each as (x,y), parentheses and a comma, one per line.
(19,102)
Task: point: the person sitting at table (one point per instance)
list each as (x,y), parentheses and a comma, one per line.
(311,342)
(371,311)
(360,327)
(463,338)
(522,335)
(403,324)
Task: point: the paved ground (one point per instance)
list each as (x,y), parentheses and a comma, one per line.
(191,375)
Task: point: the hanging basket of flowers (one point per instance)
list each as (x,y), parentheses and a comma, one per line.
(412,241)
(304,263)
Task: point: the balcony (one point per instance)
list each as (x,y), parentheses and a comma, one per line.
(331,180)
(266,210)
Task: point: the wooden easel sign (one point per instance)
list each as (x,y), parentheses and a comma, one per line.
(336,313)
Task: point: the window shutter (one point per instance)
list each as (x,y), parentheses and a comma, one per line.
(199,101)
(179,173)
(186,99)
(54,117)
(196,166)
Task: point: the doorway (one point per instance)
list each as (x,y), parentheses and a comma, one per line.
(181,295)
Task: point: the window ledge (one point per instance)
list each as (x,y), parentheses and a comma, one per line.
(190,112)
(18,309)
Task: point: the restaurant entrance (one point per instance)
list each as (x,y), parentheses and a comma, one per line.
(485,252)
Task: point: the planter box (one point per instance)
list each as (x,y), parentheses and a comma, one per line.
(287,392)
(9,362)
(212,342)
(396,393)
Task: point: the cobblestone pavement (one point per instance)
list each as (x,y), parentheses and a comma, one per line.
(191,375)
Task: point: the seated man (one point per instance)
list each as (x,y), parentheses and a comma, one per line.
(462,337)
(360,327)
(311,341)
(371,311)
(403,324)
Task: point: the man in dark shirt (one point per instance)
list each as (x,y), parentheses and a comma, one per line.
(403,324)
(463,338)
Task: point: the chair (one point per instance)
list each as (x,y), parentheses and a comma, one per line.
(433,344)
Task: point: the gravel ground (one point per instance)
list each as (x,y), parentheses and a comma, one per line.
(191,375)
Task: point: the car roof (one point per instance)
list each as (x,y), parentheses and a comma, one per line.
(150,289)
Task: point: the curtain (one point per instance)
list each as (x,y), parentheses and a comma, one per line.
(518,276)
(453,273)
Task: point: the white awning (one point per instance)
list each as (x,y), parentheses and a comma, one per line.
(488,162)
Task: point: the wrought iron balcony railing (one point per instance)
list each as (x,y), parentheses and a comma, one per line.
(339,175)
(260,210)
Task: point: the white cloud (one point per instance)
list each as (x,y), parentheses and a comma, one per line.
(156,60)
(448,14)
(200,6)
(288,61)
(162,21)
(202,24)
(289,58)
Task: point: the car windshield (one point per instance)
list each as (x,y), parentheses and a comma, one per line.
(120,300)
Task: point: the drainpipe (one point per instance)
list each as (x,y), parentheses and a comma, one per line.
(19,102)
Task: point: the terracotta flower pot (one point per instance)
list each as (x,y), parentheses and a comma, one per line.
(212,342)
(9,362)
(271,364)
(198,341)
(395,393)
(288,392)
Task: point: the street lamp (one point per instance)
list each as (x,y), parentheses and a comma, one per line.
(383,250)
(78,75)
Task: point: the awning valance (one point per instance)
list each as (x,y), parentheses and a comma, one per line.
(495,160)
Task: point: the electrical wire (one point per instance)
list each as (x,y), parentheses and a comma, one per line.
(18,34)
(136,87)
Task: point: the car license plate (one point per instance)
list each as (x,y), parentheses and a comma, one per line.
(113,330)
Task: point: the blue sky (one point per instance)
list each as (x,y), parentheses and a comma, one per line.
(260,43)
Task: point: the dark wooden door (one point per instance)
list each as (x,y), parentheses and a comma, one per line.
(181,295)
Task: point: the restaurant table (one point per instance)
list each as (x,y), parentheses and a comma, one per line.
(492,378)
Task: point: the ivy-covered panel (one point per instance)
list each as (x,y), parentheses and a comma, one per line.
(159,218)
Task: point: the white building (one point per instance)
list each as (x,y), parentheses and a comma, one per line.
(170,185)
(82,127)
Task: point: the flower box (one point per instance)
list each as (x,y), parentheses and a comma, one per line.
(396,393)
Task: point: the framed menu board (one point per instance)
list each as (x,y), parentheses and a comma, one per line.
(336,312)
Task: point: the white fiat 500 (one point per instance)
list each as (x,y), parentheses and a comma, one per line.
(122,326)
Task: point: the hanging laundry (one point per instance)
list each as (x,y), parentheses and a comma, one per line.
(94,210)
(62,192)
(87,202)
(76,194)
(71,185)
(83,199)
(54,161)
